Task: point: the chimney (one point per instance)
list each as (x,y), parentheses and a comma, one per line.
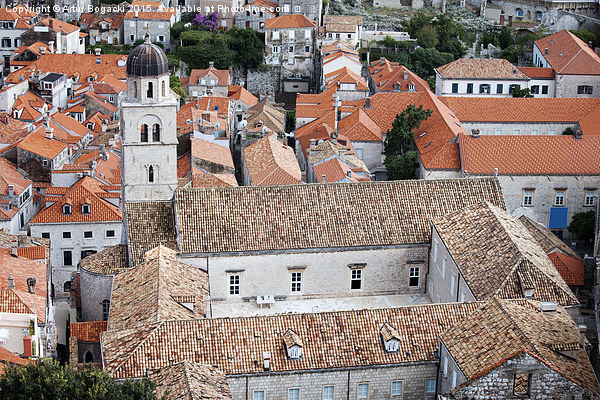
(313,143)
(31,285)
(349,173)
(323,179)
(98,50)
(64,51)
(211,64)
(49,133)
(405,75)
(197,106)
(546,51)
(13,247)
(27,346)
(11,282)
(367,103)
(548,307)
(475,133)
(578,134)
(590,44)
(11,190)
(381,60)
(267,361)
(42,50)
(51,45)
(582,332)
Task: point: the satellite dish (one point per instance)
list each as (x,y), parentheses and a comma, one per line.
(264,129)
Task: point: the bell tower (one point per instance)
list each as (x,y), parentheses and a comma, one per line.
(148,127)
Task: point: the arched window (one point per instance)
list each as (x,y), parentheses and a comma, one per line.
(135,90)
(538,15)
(105,309)
(156,133)
(163,89)
(67,287)
(85,208)
(149,92)
(151,174)
(67,209)
(89,357)
(519,13)
(144,133)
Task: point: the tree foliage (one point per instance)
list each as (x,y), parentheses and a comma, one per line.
(47,379)
(518,92)
(587,35)
(399,147)
(427,37)
(583,225)
(175,84)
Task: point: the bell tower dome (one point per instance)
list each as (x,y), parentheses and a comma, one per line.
(148,127)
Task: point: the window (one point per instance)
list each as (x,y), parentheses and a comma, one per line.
(296,282)
(535,89)
(455,88)
(297,9)
(292,35)
(275,49)
(534,131)
(538,15)
(499,88)
(275,35)
(67,286)
(161,38)
(89,357)
(498,131)
(469,88)
(396,388)
(413,277)
(521,384)
(67,257)
(67,209)
(552,132)
(66,235)
(337,35)
(559,198)
(545,89)
(453,378)
(363,391)
(294,394)
(517,131)
(46,235)
(356,279)
(88,234)
(585,89)
(590,198)
(484,88)
(511,88)
(151,174)
(430,386)
(308,34)
(85,208)
(110,233)
(359,153)
(85,253)
(519,13)
(234,284)
(444,268)
(328,392)
(132,38)
(528,197)
(445,366)
(163,88)
(291,49)
(258,395)
(156,132)
(435,249)
(105,309)
(307,49)
(144,134)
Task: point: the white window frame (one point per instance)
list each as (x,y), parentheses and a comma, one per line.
(296,395)
(414,272)
(233,281)
(329,396)
(296,282)
(560,197)
(275,49)
(292,34)
(258,392)
(297,9)
(275,35)
(590,197)
(444,268)
(356,275)
(113,235)
(427,382)
(360,394)
(528,197)
(395,393)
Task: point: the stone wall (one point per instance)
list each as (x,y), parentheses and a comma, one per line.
(566,85)
(345,383)
(519,128)
(94,289)
(267,81)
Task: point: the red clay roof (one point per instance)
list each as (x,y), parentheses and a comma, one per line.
(289,21)
(536,72)
(336,171)
(359,126)
(222,76)
(37,143)
(476,68)
(58,25)
(570,268)
(88,331)
(530,154)
(21,269)
(10,176)
(205,150)
(79,65)
(10,357)
(568,54)
(237,92)
(270,162)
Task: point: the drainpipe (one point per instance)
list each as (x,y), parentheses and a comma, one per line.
(348,389)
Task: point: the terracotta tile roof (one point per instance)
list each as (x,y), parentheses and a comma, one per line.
(7,215)
(189,380)
(149,224)
(510,109)
(152,15)
(34,48)
(58,25)
(200,179)
(522,154)
(114,82)
(159,289)
(81,66)
(271,162)
(344,75)
(447,157)
(359,126)
(501,330)
(30,105)
(8,14)
(289,21)
(20,302)
(37,143)
(85,191)
(270,221)
(108,106)
(570,268)
(195,109)
(88,331)
(389,77)
(268,6)
(106,262)
(12,130)
(538,73)
(343,150)
(497,265)
(568,54)
(335,170)
(589,122)
(548,240)
(237,92)
(480,68)
(10,176)
(265,114)
(23,241)
(222,76)
(333,340)
(24,11)
(30,252)
(8,357)
(21,269)
(208,151)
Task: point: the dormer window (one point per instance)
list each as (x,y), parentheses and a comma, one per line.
(85,208)
(293,345)
(67,210)
(390,338)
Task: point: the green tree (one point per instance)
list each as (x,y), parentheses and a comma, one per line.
(425,60)
(47,379)
(513,53)
(583,225)
(587,35)
(518,92)
(506,37)
(290,121)
(399,146)
(417,22)
(175,84)
(427,37)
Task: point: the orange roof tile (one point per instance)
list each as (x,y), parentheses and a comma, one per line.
(152,15)
(204,150)
(222,76)
(237,92)
(568,54)
(481,68)
(7,14)
(203,179)
(88,331)
(530,154)
(390,77)
(19,302)
(30,252)
(589,123)
(359,126)
(12,358)
(289,21)
(570,268)
(37,143)
(335,170)
(536,72)
(21,269)
(270,162)
(10,176)
(58,25)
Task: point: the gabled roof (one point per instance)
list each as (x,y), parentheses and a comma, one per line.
(70,124)
(313,220)
(530,154)
(359,126)
(537,72)
(88,331)
(10,176)
(22,302)
(289,21)
(481,68)
(334,170)
(188,380)
(344,75)
(568,54)
(509,255)
(37,143)
(208,151)
(30,105)
(106,262)
(222,76)
(548,240)
(58,25)
(570,268)
(8,357)
(8,14)
(501,330)
(237,92)
(21,269)
(159,289)
(332,340)
(12,130)
(389,77)
(81,66)
(271,162)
